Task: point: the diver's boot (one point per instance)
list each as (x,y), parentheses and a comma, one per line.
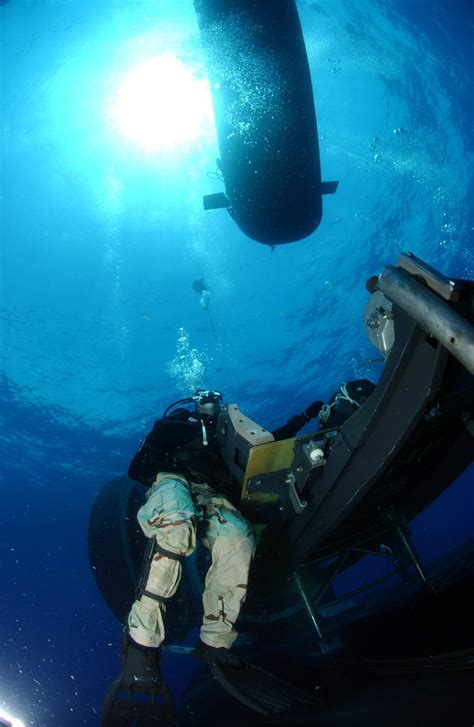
(212,654)
(140,666)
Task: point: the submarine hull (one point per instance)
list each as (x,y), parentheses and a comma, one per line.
(265,117)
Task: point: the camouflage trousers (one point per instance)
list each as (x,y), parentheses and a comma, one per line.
(170,515)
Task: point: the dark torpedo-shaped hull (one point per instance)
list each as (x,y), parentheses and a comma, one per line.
(265,118)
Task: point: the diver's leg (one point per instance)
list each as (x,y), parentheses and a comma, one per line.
(168,517)
(230,538)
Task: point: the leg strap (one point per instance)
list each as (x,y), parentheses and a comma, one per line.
(151,550)
(174,556)
(154,596)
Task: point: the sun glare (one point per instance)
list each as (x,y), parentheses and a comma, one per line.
(161,105)
(8,720)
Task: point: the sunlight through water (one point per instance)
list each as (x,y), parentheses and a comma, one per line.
(162,105)
(9,721)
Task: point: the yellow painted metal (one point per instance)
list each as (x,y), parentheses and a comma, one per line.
(260,498)
(269,457)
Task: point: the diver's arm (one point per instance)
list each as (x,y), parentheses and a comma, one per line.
(145,464)
(297,422)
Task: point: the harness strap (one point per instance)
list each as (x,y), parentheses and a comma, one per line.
(174,556)
(151,550)
(154,596)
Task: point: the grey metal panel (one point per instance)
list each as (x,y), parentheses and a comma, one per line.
(372,437)
(443,286)
(431,313)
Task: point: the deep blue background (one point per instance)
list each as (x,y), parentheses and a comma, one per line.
(100,246)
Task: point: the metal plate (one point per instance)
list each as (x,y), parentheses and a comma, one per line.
(438,282)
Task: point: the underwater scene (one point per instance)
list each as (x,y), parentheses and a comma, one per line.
(237,358)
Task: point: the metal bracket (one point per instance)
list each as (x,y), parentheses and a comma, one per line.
(443,286)
(379,325)
(314,451)
(298,505)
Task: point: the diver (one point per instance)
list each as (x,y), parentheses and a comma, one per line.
(201,288)
(189,497)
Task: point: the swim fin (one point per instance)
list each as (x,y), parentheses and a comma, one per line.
(258,689)
(138,696)
(119,711)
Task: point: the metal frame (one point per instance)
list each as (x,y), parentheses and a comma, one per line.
(313,604)
(320,480)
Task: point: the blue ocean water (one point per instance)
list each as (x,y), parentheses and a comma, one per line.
(101,240)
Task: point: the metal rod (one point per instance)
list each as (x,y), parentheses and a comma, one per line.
(390,555)
(431,313)
(411,552)
(307,605)
(333,576)
(365,587)
(376,535)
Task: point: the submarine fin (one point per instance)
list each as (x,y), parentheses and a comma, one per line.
(216,201)
(329,187)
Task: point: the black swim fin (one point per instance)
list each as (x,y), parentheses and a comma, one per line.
(138,696)
(120,711)
(256,688)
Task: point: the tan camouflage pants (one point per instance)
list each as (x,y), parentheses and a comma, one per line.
(170,515)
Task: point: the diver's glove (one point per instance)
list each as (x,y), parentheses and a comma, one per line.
(312,411)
